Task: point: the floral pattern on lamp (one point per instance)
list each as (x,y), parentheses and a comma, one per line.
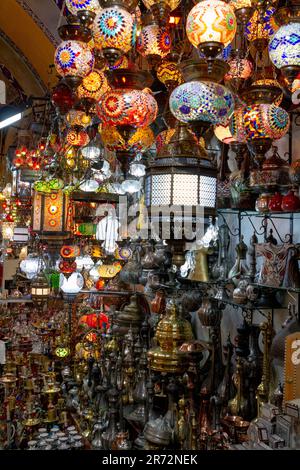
(73,58)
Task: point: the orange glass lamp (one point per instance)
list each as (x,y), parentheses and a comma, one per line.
(51,215)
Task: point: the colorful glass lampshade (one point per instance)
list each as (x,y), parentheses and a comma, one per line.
(75,117)
(137,108)
(261,27)
(163,138)
(139,140)
(154,42)
(211,23)
(265,121)
(73,59)
(75,6)
(77,138)
(62,97)
(240,68)
(205,101)
(236,126)
(93,86)
(114,32)
(224,134)
(169,74)
(284,50)
(51,215)
(161,9)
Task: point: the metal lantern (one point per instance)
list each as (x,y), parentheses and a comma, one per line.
(181,174)
(40,289)
(51,215)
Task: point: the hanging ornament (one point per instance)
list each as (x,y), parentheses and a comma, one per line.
(260,28)
(93,86)
(154,43)
(284,50)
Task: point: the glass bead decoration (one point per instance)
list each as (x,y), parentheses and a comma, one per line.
(73,58)
(119,107)
(154,41)
(206,101)
(211,20)
(114,28)
(284,46)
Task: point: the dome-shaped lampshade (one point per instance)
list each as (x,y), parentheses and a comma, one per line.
(91,152)
(211,21)
(265,121)
(114,32)
(84,262)
(137,108)
(137,169)
(284,48)
(73,58)
(206,101)
(154,41)
(76,6)
(72,284)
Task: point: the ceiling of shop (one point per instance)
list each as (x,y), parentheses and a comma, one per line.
(24,67)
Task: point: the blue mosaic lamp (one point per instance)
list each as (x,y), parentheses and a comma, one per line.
(284,50)
(205,101)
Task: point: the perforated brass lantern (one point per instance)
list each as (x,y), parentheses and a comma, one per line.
(40,289)
(51,215)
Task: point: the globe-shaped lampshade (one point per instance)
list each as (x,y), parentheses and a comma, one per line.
(84,262)
(239,68)
(136,108)
(169,74)
(78,138)
(206,101)
(154,41)
(211,21)
(93,86)
(261,26)
(265,121)
(75,6)
(73,58)
(284,46)
(72,284)
(114,28)
(32,265)
(141,139)
(75,117)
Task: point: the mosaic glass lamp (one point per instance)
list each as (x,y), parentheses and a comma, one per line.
(114,31)
(75,6)
(260,28)
(154,42)
(127,107)
(169,74)
(73,58)
(205,101)
(211,26)
(284,50)
(93,86)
